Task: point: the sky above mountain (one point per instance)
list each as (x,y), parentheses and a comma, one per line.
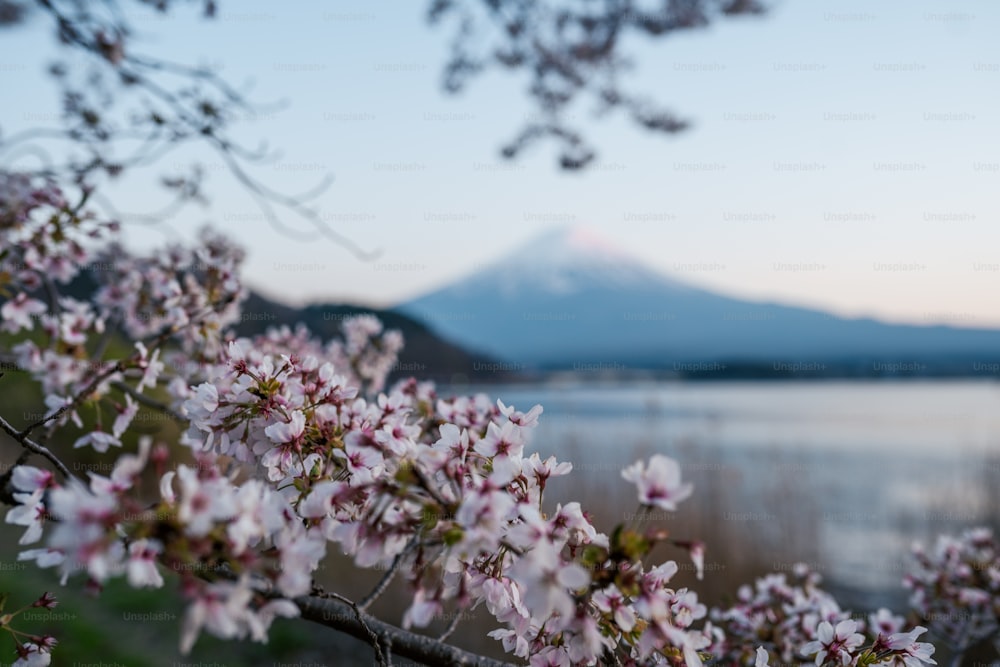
(839,156)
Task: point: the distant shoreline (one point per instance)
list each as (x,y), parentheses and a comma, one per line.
(598,372)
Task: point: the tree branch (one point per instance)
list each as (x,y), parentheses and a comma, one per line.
(33,446)
(114,367)
(340,616)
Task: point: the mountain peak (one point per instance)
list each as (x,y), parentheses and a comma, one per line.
(566,260)
(572,242)
(575,235)
(570,297)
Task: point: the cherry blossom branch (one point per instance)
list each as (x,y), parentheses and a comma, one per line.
(34,447)
(115,367)
(264,196)
(201,110)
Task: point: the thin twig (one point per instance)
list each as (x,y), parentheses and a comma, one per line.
(115,367)
(429,487)
(372,637)
(105,339)
(33,446)
(451,627)
(151,403)
(51,293)
(387,577)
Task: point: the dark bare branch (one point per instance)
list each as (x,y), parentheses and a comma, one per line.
(336,614)
(32,446)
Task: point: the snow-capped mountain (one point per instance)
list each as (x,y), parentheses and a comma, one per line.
(569,298)
(565,261)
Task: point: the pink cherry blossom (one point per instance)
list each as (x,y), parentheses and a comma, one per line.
(287,431)
(44,558)
(301,551)
(547,582)
(611,601)
(203,502)
(698,558)
(141,566)
(660,484)
(99,440)
(151,367)
(125,416)
(524,419)
(422,611)
(834,644)
(30,513)
(31,654)
(29,478)
(18,313)
(83,531)
(220,608)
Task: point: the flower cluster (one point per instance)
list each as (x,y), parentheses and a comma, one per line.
(373,478)
(956,587)
(377,476)
(203,524)
(792,622)
(43,237)
(441,486)
(367,352)
(189,294)
(180,297)
(779,614)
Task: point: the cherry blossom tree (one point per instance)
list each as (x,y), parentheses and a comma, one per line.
(297,448)
(294,448)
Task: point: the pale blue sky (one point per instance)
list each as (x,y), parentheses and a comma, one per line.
(831,138)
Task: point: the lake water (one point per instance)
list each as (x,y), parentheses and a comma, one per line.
(844,475)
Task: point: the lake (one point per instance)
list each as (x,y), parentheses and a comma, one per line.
(843,475)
